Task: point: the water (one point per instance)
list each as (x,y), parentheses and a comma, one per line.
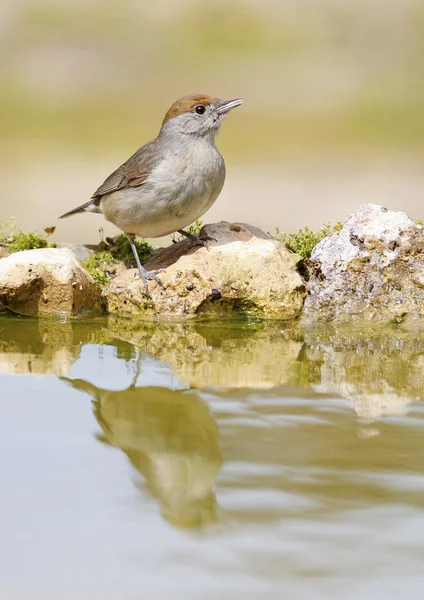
(231,460)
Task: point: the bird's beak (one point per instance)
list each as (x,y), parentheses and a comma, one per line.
(226,105)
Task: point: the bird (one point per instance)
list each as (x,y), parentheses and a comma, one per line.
(171,181)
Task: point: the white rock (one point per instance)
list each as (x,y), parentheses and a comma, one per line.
(371,270)
(47,281)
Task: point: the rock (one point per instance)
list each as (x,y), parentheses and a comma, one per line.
(242,269)
(373,269)
(47,281)
(80,251)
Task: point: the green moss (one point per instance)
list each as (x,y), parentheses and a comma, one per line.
(304,241)
(98,266)
(195,227)
(122,249)
(28,241)
(17,241)
(418,222)
(101,264)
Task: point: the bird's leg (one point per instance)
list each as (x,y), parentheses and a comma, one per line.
(196,240)
(145,276)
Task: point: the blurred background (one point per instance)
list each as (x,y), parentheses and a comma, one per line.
(333,114)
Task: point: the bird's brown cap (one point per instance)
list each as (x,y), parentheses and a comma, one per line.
(186,104)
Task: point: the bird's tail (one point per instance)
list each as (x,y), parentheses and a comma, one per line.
(90,206)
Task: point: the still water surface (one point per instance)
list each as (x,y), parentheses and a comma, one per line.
(232,460)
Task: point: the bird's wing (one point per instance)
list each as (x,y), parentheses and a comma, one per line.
(133,172)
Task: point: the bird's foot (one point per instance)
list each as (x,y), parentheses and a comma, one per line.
(147,276)
(196,240)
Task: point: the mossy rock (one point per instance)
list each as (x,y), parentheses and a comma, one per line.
(242,270)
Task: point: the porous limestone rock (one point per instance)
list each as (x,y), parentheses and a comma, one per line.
(46,281)
(372,270)
(241,269)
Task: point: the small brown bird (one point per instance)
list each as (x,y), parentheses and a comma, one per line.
(169,182)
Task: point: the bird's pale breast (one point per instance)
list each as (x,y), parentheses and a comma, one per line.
(179,190)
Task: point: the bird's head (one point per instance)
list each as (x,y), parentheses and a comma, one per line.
(197,114)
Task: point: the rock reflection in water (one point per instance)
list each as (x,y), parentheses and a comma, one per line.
(220,354)
(297,463)
(29,346)
(171,439)
(379,369)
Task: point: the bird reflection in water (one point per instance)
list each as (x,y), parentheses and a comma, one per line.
(171,439)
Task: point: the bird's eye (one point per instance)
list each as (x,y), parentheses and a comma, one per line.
(200,109)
